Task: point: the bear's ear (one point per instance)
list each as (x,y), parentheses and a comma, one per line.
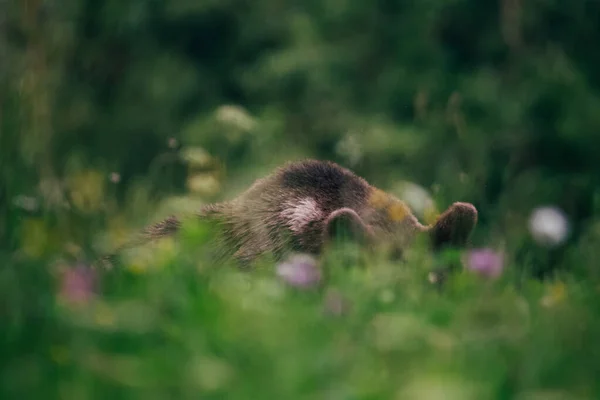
(454,226)
(346,223)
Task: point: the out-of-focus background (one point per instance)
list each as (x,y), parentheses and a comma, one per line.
(114,114)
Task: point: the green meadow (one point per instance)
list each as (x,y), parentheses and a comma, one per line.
(117,114)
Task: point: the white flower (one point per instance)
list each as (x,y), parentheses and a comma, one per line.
(27,203)
(350,148)
(172,143)
(235,116)
(115,177)
(549,225)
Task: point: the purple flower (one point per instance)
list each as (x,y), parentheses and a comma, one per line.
(300,270)
(485,262)
(78,284)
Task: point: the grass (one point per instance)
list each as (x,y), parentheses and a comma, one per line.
(175,326)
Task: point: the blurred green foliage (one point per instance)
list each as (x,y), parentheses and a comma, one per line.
(114,114)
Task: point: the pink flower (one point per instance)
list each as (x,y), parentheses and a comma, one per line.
(485,262)
(300,271)
(78,284)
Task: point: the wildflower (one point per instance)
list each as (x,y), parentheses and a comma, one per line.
(432,277)
(485,262)
(556,293)
(300,270)
(115,177)
(78,284)
(235,116)
(378,199)
(350,148)
(398,211)
(86,189)
(436,277)
(172,143)
(549,226)
(26,203)
(204,183)
(197,157)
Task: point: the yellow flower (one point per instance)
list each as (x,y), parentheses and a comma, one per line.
(557,292)
(137,268)
(87,190)
(151,256)
(398,211)
(378,199)
(204,184)
(166,247)
(117,232)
